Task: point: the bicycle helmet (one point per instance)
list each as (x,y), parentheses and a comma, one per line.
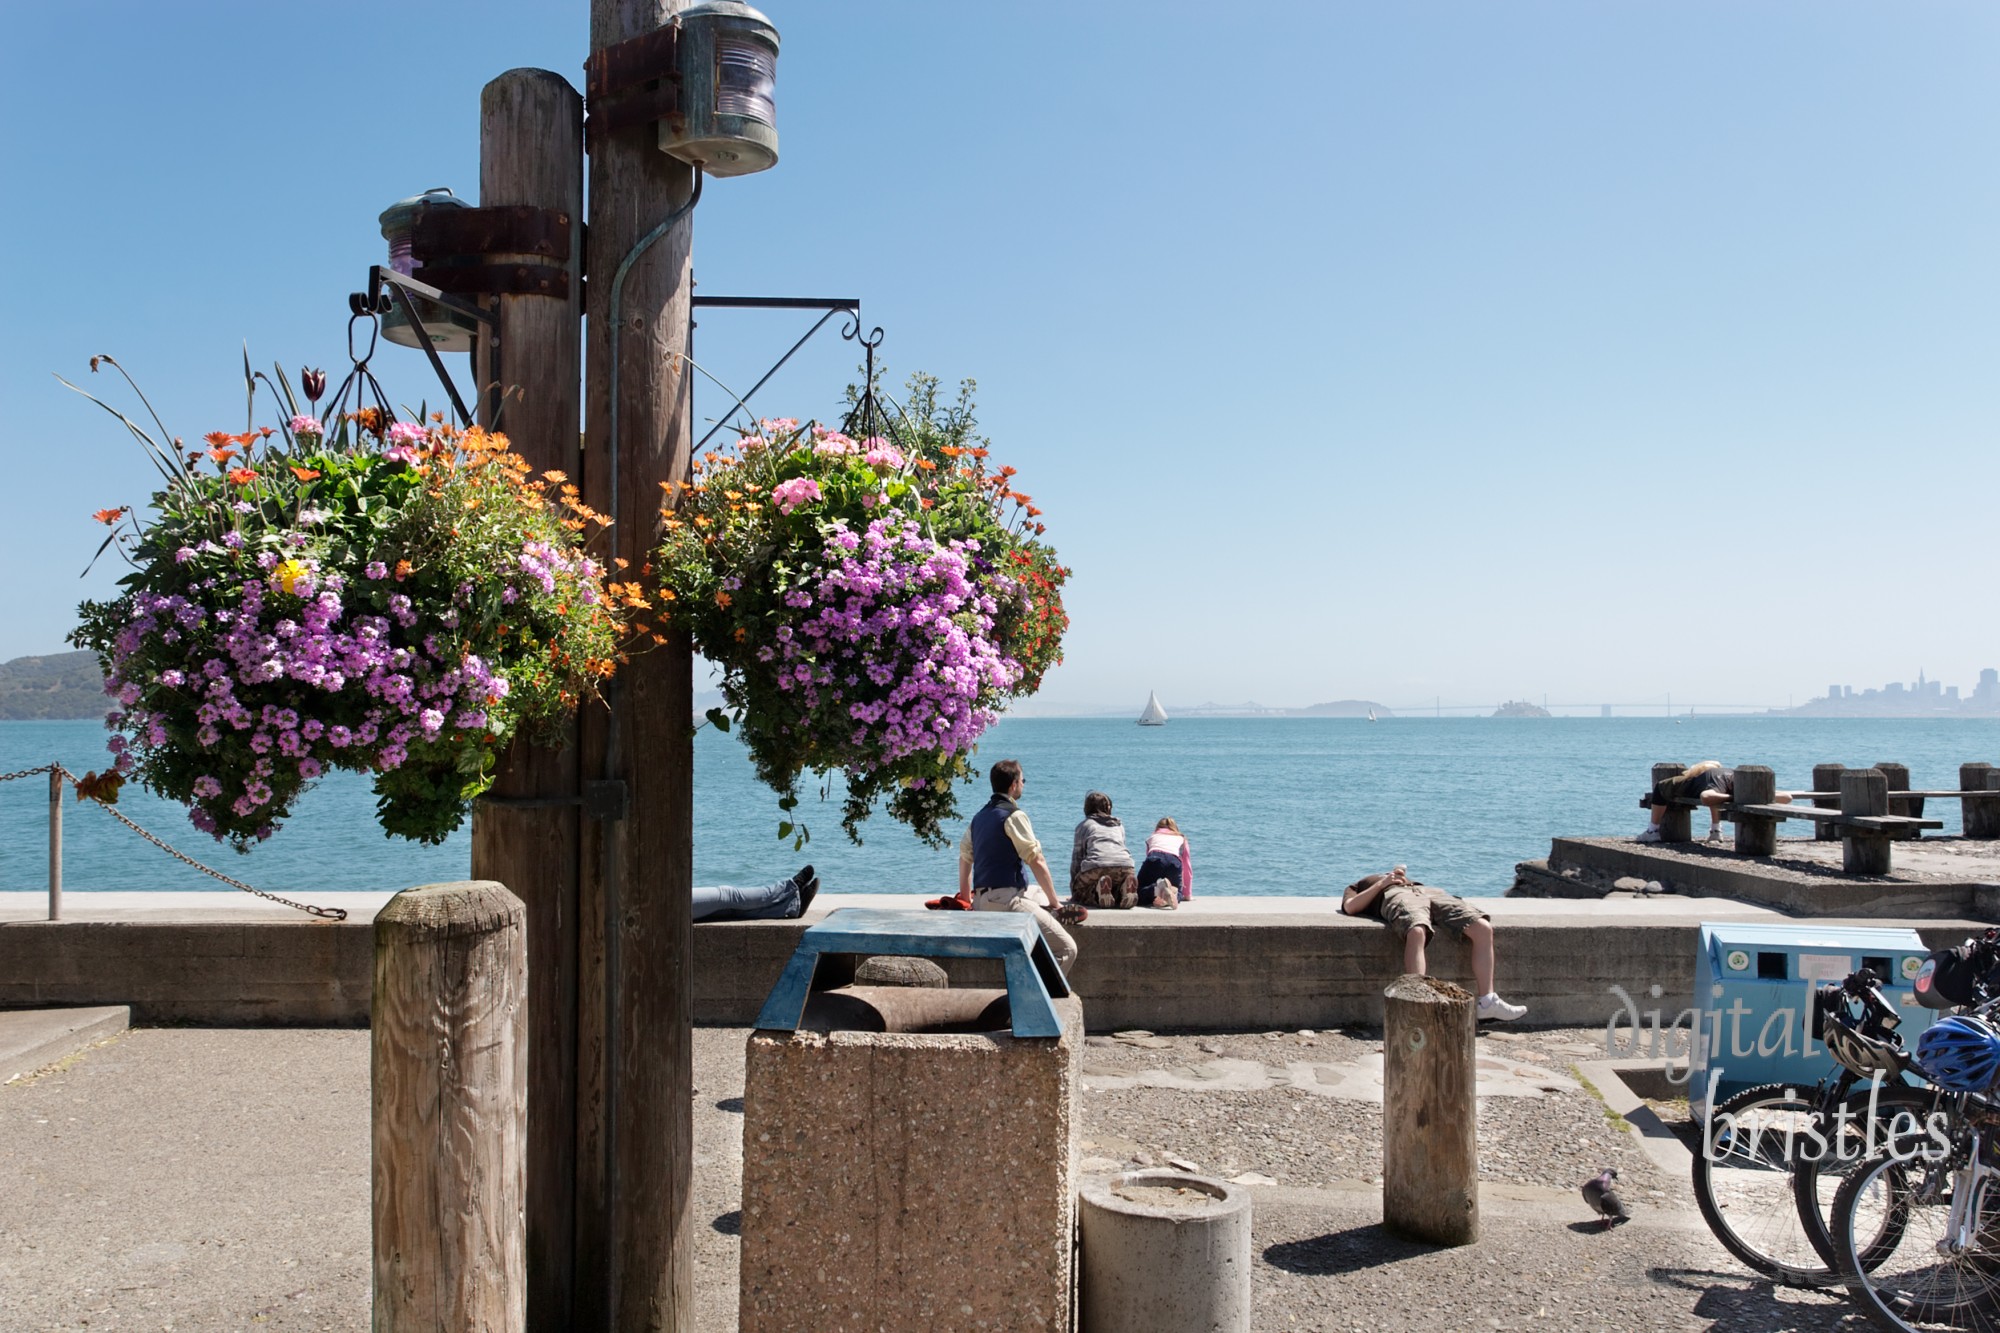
(1864,1054)
(1960,1053)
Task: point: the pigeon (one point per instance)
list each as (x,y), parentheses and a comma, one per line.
(1597,1192)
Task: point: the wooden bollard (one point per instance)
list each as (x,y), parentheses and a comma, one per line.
(1756,835)
(1981,814)
(449,1061)
(1899,780)
(1826,777)
(1677,822)
(1864,792)
(1430,1113)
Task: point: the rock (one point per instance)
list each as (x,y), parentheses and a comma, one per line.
(1253,1178)
(1183,1164)
(890,970)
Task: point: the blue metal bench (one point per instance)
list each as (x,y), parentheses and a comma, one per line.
(1011,937)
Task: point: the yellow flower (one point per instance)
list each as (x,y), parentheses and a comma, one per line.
(286,575)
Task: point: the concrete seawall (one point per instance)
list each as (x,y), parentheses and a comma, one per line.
(1221,964)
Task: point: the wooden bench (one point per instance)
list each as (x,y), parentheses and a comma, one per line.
(1865,820)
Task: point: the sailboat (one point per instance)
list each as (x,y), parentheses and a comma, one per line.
(1371,715)
(1154,716)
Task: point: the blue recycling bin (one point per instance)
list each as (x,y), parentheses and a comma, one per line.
(1754,985)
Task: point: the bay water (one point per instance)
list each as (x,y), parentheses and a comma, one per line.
(1271,806)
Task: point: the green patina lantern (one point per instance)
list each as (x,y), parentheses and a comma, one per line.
(449,331)
(728,62)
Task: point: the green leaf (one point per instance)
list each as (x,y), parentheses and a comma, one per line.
(720,721)
(784,830)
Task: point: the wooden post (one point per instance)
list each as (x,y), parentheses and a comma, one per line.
(1864,792)
(55,843)
(1899,780)
(531,153)
(1756,835)
(1826,777)
(1430,1112)
(635,1091)
(1981,814)
(1677,824)
(449,1065)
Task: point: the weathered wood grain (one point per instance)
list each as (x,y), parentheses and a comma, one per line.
(1430,1112)
(449,1066)
(531,153)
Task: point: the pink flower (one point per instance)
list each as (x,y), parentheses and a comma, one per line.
(305,425)
(406,433)
(789,495)
(881,453)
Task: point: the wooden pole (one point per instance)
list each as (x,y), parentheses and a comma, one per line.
(531,153)
(1899,780)
(1756,835)
(636,1081)
(1826,777)
(1864,792)
(449,1065)
(1430,1112)
(1981,814)
(1677,822)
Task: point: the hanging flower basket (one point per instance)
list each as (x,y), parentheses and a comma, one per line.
(390,598)
(872,605)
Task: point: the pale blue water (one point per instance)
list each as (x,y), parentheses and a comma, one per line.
(1271,805)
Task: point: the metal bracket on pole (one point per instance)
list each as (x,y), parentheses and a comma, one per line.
(830,305)
(376,301)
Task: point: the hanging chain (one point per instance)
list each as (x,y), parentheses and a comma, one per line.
(327,913)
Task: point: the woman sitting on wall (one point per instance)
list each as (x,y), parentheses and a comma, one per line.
(1168,858)
(1100,868)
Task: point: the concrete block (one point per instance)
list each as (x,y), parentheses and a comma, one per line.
(1164,1252)
(33,1038)
(909,1181)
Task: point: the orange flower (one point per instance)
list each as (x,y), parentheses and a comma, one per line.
(304,473)
(722,599)
(927,502)
(109,516)
(1007,471)
(242,476)
(223,453)
(554,476)
(402,569)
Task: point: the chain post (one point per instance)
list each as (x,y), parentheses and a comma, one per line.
(55,841)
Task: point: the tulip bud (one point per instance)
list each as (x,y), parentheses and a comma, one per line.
(314,382)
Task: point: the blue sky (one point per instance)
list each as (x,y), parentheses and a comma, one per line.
(1386,351)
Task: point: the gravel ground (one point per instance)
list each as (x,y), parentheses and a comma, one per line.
(180,1179)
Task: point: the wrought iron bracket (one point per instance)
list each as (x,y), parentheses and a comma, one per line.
(831,306)
(388,289)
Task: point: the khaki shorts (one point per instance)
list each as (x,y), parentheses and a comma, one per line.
(1420,905)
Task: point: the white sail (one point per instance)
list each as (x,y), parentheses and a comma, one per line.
(1154,716)
(1371,715)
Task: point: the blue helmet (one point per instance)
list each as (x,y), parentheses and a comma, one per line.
(1960,1053)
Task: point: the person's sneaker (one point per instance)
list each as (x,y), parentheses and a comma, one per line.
(1650,833)
(1715,835)
(1492,1007)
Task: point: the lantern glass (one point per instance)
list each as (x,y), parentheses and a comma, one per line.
(746,75)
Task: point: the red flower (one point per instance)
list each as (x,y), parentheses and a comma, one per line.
(304,473)
(242,476)
(109,516)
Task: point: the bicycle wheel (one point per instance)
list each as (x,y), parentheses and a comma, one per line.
(1919,1285)
(1751,1144)
(1817,1176)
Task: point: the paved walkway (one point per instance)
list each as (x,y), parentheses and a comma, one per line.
(205,1179)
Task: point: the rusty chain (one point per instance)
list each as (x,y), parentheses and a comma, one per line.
(328,913)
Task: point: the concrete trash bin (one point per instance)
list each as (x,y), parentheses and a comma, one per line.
(907,1178)
(1164,1252)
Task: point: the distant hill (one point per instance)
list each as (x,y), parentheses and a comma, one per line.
(1344,708)
(59,687)
(1521,708)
